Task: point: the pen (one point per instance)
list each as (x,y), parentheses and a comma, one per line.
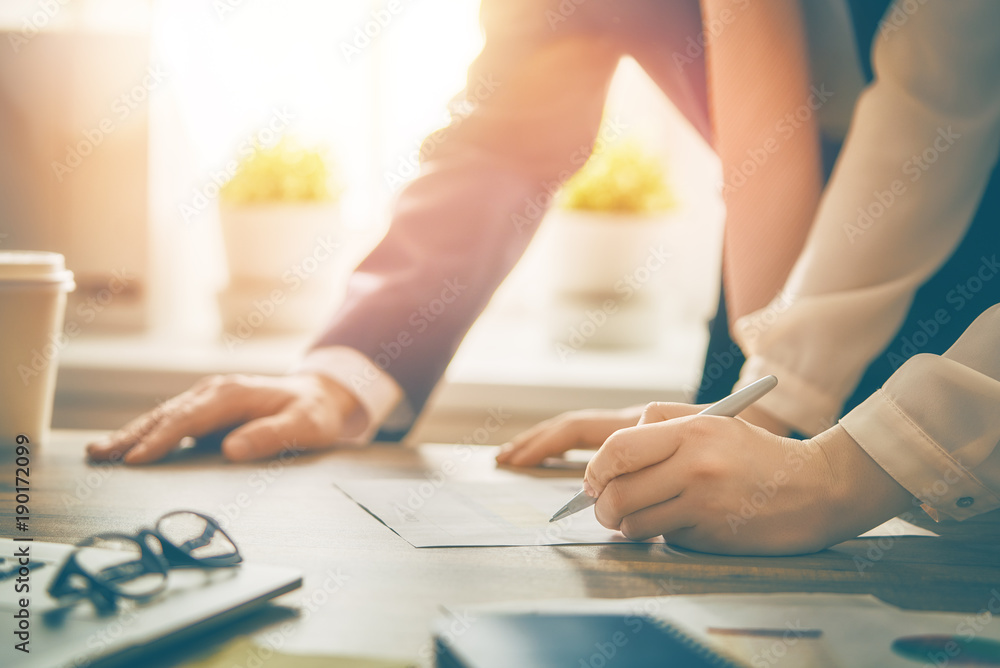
(767,633)
(731,406)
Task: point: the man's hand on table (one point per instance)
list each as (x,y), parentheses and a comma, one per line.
(306,409)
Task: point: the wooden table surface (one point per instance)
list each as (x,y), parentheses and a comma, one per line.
(386,592)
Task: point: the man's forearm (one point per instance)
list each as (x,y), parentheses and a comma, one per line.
(462,224)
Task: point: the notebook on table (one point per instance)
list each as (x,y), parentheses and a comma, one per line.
(551,640)
(780,630)
(194,602)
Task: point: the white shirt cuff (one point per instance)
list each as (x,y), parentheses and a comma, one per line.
(796,402)
(916,461)
(378,394)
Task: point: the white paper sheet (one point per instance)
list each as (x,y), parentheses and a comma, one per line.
(500,512)
(897,526)
(479,512)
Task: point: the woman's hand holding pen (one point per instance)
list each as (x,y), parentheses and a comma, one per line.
(719,484)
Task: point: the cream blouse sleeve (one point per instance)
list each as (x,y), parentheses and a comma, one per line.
(921,147)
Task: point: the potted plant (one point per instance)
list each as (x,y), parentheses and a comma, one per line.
(609,258)
(279,216)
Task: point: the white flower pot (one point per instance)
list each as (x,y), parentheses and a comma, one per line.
(282,264)
(265,241)
(594,251)
(607,271)
(248,311)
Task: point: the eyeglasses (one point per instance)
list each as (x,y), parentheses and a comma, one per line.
(109,566)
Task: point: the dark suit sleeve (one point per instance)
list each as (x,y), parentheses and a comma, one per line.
(533,105)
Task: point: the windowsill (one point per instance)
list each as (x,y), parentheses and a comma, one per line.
(505,362)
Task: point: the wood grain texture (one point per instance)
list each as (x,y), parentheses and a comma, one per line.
(367,591)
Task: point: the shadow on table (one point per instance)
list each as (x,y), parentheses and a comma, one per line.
(206,643)
(207,450)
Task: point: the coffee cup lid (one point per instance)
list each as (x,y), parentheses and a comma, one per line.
(34,266)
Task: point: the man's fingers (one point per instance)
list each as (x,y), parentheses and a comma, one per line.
(269,435)
(659,411)
(663,518)
(201,414)
(632,492)
(301,411)
(117,444)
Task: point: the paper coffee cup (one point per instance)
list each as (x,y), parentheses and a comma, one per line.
(33,288)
